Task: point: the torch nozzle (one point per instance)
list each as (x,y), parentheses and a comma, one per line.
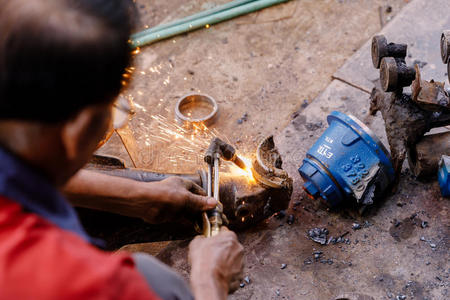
(239,162)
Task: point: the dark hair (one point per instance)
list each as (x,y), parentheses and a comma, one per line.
(59,56)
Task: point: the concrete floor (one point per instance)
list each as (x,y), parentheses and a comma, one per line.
(266,64)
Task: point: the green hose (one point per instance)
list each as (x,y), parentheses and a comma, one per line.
(192,17)
(141,39)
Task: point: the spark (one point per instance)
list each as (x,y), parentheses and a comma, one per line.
(136,51)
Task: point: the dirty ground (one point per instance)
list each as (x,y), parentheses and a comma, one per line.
(271,65)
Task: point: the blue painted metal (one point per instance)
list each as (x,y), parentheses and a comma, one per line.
(347,161)
(444,175)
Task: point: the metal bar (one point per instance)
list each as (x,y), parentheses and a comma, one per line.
(216,177)
(209,186)
(193,17)
(165,33)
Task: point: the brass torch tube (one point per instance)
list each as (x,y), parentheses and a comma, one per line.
(216,217)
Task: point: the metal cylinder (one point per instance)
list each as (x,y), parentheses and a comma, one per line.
(381,49)
(347,161)
(395,74)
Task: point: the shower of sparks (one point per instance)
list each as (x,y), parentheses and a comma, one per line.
(176,145)
(181,145)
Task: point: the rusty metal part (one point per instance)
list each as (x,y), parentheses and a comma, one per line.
(206,107)
(381,49)
(405,122)
(423,158)
(407,117)
(445,46)
(429,95)
(395,74)
(267,166)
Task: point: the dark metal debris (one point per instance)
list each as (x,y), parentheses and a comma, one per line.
(318,235)
(290,219)
(243,119)
(317,254)
(313,126)
(356,226)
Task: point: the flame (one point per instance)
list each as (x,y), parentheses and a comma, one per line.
(247,172)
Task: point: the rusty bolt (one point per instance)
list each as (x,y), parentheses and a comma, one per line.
(445,46)
(395,74)
(381,49)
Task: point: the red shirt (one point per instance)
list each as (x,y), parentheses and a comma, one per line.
(38,260)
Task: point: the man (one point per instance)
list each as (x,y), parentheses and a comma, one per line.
(61,65)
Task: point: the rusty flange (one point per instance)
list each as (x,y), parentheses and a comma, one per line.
(266,167)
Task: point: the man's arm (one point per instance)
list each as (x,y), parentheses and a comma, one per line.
(154,202)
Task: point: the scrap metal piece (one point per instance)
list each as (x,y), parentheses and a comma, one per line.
(267,166)
(405,122)
(429,95)
(423,157)
(318,235)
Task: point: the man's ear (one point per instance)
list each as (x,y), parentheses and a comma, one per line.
(73,132)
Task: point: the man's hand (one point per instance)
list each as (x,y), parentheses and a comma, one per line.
(171,198)
(217,265)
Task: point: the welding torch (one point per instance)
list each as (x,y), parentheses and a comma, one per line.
(214,219)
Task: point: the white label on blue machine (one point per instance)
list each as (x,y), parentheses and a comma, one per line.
(325,151)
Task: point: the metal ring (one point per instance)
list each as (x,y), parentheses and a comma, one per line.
(191,99)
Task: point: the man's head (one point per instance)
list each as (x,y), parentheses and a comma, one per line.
(61,66)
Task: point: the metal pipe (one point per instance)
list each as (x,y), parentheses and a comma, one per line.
(152,37)
(193,17)
(216,177)
(216,214)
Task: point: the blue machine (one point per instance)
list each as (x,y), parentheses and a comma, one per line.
(347,161)
(443,175)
